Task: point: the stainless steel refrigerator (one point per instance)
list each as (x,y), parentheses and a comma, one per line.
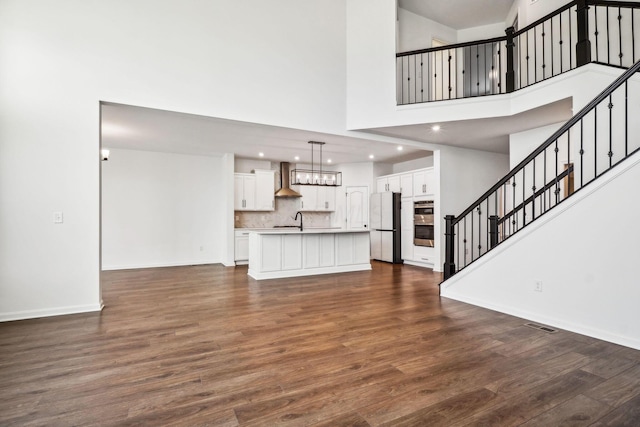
(385,227)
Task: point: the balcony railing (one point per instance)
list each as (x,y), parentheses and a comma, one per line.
(579,32)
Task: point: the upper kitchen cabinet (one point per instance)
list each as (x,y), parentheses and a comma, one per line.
(388,183)
(265,187)
(406,184)
(423,182)
(254,191)
(317,198)
(244,198)
(397,183)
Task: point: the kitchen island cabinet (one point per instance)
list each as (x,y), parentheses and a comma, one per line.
(292,253)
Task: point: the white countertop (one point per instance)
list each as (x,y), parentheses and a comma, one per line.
(305,231)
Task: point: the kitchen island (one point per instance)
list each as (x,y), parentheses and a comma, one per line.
(281,253)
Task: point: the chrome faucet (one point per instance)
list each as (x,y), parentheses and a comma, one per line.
(299,213)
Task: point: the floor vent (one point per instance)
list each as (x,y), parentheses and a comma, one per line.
(542,328)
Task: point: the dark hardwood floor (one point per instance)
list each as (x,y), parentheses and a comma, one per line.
(206,345)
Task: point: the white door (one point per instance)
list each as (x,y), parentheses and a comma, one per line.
(386,211)
(357,209)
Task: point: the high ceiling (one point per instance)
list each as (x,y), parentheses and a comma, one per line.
(460,14)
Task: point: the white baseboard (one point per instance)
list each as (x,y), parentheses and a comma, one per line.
(549,321)
(155,265)
(48,312)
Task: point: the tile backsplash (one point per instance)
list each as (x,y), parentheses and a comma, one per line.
(284,214)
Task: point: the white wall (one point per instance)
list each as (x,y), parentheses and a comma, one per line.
(587,286)
(464,176)
(161,209)
(481,33)
(421,163)
(280,62)
(416,32)
(522,144)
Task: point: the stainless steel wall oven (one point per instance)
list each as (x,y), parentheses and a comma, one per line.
(423,234)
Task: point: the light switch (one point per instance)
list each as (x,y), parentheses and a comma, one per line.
(57,218)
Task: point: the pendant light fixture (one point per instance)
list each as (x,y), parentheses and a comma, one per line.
(316,176)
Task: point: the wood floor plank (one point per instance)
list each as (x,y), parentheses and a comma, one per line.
(207,345)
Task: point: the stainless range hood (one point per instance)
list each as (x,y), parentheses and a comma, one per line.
(285,191)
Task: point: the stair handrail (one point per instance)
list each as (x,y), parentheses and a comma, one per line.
(452,221)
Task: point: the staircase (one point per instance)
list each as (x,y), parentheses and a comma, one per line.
(597,139)
(554,240)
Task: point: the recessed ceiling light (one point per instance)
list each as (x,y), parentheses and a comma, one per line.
(371,156)
(328,160)
(399,147)
(435,128)
(297,158)
(261,154)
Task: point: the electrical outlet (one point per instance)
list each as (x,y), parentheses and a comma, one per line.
(537,286)
(57,218)
(201,248)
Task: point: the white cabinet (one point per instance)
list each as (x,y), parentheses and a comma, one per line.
(388,183)
(423,182)
(424,255)
(265,189)
(318,251)
(244,192)
(241,248)
(406,184)
(317,198)
(254,191)
(291,252)
(406,228)
(398,183)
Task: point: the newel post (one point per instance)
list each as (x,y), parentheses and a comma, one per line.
(510,76)
(449,244)
(583,46)
(493,231)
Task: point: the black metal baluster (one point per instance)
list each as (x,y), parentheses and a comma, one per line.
(533,196)
(477,73)
(524,197)
(544,58)
(415,78)
(626,120)
(479,230)
(472,234)
(457,262)
(610,153)
(595,142)
(464,240)
(449,79)
(402,80)
(557,190)
(457,86)
(568,159)
(633,38)
(608,39)
(442,74)
(595,12)
(620,33)
(513,209)
(560,43)
(492,76)
(422,77)
(535,55)
(527,58)
(551,45)
(544,181)
(581,153)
